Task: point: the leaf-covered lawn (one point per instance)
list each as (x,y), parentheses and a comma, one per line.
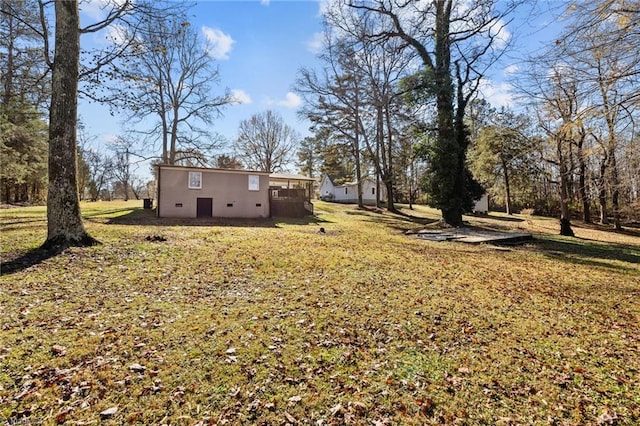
(272,322)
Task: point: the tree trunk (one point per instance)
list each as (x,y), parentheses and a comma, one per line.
(507,190)
(358,170)
(615,192)
(64,221)
(379,142)
(174,137)
(389,182)
(565,213)
(8,75)
(7,193)
(602,192)
(586,205)
(447,143)
(446,157)
(356,150)
(582,179)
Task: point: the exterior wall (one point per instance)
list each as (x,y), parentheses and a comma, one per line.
(229,190)
(368,194)
(346,194)
(482,205)
(326,188)
(349,193)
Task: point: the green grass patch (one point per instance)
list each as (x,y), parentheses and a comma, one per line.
(272,322)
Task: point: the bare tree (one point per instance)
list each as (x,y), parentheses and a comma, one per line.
(603,47)
(121,169)
(169,75)
(64,221)
(456,41)
(560,111)
(100,168)
(265,142)
(385,66)
(334,99)
(225,161)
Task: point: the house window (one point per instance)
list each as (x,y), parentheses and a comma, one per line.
(254,183)
(373,191)
(195,180)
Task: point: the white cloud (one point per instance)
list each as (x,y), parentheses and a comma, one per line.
(109,139)
(265,2)
(498,95)
(291,100)
(219,44)
(315,44)
(240,97)
(503,36)
(511,69)
(95,9)
(98,9)
(117,33)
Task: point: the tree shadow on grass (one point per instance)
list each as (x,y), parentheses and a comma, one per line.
(497,218)
(99,213)
(588,252)
(399,214)
(630,229)
(28,259)
(399,220)
(147,217)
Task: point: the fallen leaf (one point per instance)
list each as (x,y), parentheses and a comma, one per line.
(109,412)
(137,368)
(358,407)
(336,409)
(58,350)
(290,418)
(295,398)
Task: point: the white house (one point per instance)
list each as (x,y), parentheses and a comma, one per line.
(348,191)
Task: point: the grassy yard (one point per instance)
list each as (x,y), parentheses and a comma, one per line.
(272,323)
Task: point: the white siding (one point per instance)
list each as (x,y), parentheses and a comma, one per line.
(482,205)
(348,193)
(326,187)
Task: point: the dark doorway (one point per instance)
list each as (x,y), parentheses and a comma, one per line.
(204,207)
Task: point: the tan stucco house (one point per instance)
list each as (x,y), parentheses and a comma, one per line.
(195,192)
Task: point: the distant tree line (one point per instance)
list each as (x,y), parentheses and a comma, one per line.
(397,99)
(25,87)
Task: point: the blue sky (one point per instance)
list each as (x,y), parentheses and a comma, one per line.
(260,45)
(269,43)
